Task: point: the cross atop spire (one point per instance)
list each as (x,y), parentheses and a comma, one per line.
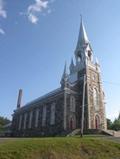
(83,38)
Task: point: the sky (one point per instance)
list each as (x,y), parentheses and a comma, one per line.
(37,36)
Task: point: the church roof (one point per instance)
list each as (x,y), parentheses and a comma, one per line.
(40,99)
(54,92)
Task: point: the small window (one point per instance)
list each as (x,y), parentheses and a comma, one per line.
(79,57)
(89,53)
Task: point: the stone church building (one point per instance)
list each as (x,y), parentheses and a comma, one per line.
(60,111)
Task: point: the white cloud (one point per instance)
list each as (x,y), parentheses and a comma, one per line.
(34,9)
(3,12)
(2,31)
(32,18)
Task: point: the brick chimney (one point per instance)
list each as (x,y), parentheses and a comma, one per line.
(19,98)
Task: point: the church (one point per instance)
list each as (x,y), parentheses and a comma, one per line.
(80,97)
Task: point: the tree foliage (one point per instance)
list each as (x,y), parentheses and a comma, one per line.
(109,124)
(4,121)
(115,125)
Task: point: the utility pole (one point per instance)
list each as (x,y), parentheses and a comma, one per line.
(83,106)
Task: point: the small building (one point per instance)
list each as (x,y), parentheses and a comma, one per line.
(61,111)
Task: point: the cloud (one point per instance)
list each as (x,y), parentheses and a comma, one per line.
(3,12)
(35,9)
(2,31)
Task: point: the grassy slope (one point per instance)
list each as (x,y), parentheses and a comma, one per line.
(59,148)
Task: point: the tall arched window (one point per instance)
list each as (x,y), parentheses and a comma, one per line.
(72,104)
(96,99)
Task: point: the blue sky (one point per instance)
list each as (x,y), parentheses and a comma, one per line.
(36,37)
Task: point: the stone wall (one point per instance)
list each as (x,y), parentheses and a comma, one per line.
(41,130)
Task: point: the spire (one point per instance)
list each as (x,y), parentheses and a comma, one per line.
(83,52)
(19,98)
(83,38)
(72,63)
(72,66)
(65,75)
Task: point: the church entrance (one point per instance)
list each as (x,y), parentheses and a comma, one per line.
(72,123)
(97,122)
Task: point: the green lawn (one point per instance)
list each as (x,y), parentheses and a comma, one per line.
(59,148)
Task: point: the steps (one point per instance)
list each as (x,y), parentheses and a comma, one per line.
(95,131)
(74,132)
(112,133)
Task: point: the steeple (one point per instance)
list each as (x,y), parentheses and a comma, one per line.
(64,78)
(83,52)
(83,38)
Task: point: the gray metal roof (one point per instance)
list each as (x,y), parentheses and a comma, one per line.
(44,96)
(37,100)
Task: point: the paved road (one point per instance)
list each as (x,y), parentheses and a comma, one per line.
(2,140)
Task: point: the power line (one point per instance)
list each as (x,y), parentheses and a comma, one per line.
(112,83)
(108,82)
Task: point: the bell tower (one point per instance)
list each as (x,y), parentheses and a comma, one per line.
(94,114)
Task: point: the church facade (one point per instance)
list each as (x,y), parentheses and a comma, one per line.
(61,111)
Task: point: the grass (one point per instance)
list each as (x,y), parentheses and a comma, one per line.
(59,148)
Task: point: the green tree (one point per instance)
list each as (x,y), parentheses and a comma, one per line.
(4,121)
(109,124)
(119,116)
(116,124)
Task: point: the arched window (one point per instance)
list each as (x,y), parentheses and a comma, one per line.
(79,56)
(96,99)
(79,59)
(72,104)
(89,54)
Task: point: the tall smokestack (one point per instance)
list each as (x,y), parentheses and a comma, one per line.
(19,98)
